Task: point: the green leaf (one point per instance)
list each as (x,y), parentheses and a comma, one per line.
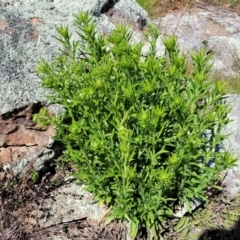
(133,228)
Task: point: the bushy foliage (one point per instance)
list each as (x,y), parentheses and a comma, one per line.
(143,134)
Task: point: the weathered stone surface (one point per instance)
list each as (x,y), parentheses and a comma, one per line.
(69,202)
(27,31)
(232,143)
(6,156)
(214,28)
(28,137)
(22,142)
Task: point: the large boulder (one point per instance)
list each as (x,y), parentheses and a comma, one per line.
(27,31)
(214,28)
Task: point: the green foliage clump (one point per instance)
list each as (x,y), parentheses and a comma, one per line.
(35,176)
(141,132)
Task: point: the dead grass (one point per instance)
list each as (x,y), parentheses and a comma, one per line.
(219,219)
(233,4)
(157,8)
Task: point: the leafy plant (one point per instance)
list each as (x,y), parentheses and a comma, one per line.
(43,118)
(143,134)
(35,176)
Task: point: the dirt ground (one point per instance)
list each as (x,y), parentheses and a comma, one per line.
(19,197)
(161,8)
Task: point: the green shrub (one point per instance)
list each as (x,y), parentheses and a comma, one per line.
(141,132)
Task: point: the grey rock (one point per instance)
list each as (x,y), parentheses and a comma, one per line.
(210,27)
(37,161)
(27,32)
(133,9)
(69,202)
(231,182)
(184,209)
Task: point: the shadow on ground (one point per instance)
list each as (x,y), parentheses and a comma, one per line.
(222,234)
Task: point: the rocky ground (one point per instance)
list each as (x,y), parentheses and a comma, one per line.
(51,208)
(50,205)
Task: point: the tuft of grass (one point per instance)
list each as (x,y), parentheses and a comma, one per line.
(218,218)
(232,85)
(148,5)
